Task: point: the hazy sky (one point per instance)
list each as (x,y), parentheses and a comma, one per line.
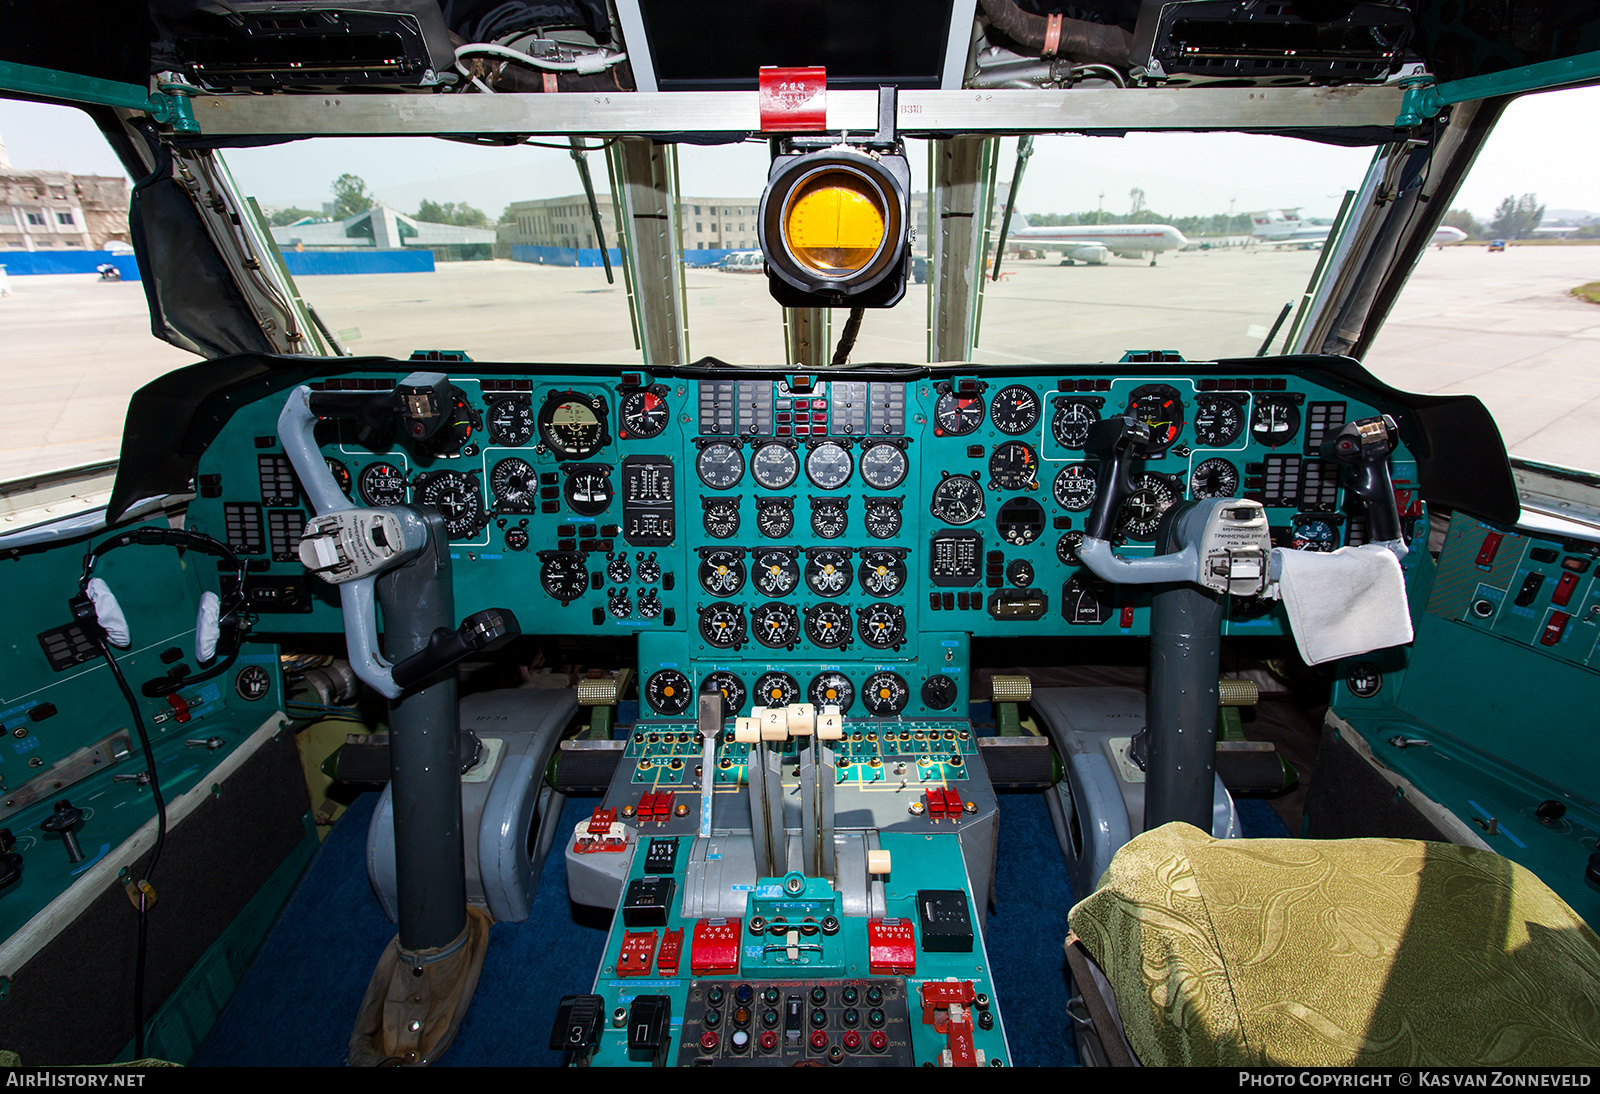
(1544,146)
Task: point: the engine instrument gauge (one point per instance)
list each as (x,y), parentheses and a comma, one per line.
(1141,512)
(774,465)
(515,486)
(729,686)
(573,425)
(828,625)
(1275,420)
(1214,478)
(775,573)
(829,517)
(832,689)
(882,626)
(649,604)
(341,475)
(776,689)
(721,517)
(649,569)
(1015,409)
(1160,407)
(956,415)
(1218,420)
(883,518)
(1073,419)
(721,573)
(720,465)
(562,575)
(775,625)
(382,484)
(1013,466)
(828,465)
(882,573)
(828,572)
(884,465)
(722,625)
(618,570)
(957,500)
(1074,487)
(456,497)
(587,490)
(668,692)
(774,517)
(643,415)
(511,422)
(885,694)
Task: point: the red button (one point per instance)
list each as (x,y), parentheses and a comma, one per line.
(1127,613)
(708,1041)
(769,1041)
(852,1040)
(878,1040)
(819,1040)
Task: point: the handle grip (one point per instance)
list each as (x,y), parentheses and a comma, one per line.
(1364,446)
(1117,442)
(480,632)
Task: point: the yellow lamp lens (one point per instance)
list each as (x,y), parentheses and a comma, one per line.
(834,223)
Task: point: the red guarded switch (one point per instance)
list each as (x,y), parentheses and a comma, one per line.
(891,947)
(1553,628)
(601,820)
(663,808)
(671,952)
(946,1007)
(1486,553)
(638,953)
(1564,588)
(716,947)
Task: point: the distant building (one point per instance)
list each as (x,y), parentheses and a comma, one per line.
(384,229)
(57,210)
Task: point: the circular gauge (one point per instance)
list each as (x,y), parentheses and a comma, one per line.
(649,569)
(1086,601)
(776,689)
(775,573)
(956,415)
(511,420)
(1363,679)
(643,415)
(668,692)
(722,625)
(1141,512)
(721,573)
(775,625)
(882,573)
(885,694)
(1218,420)
(517,539)
(1072,421)
(774,517)
(1019,572)
(382,484)
(828,625)
(341,475)
(561,574)
(882,625)
(939,692)
(1214,478)
(883,519)
(729,686)
(1074,487)
(720,465)
(1160,407)
(1013,466)
(1274,420)
(1067,548)
(587,490)
(573,425)
(252,683)
(1020,521)
(619,605)
(957,500)
(829,517)
(884,465)
(1014,410)
(832,689)
(721,517)
(456,497)
(774,465)
(457,428)
(617,568)
(828,572)
(828,465)
(649,604)
(515,486)
(1310,534)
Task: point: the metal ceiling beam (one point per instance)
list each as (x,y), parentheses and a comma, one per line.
(921,112)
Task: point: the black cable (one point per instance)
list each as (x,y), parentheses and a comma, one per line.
(847,339)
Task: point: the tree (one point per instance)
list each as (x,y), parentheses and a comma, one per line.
(1135,201)
(284,217)
(1516,218)
(350,197)
(451,213)
(1463,219)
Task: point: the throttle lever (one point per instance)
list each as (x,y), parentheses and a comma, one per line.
(1364,446)
(1117,442)
(480,632)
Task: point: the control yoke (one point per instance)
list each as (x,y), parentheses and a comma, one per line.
(349,546)
(1365,446)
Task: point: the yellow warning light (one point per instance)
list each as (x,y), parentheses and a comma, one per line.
(834,222)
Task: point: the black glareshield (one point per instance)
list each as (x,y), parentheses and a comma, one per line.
(1116,443)
(1364,447)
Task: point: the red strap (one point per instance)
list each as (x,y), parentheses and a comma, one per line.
(550,87)
(1052,35)
(793,100)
